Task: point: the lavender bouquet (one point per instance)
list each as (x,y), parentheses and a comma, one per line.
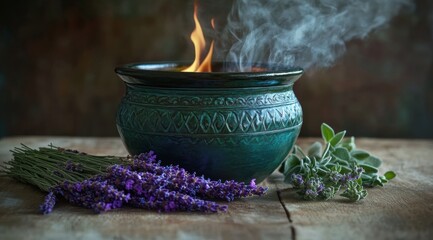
(103,183)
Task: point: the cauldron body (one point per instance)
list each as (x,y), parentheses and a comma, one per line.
(237,126)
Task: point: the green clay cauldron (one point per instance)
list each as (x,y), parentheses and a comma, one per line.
(224,125)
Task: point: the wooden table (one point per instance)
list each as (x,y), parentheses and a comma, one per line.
(403,209)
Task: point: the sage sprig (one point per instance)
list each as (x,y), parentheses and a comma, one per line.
(338,166)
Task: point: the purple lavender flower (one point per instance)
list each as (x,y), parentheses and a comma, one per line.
(335,176)
(297,180)
(354,175)
(102,207)
(48,205)
(313,188)
(310,194)
(73,167)
(129,184)
(97,195)
(170,201)
(149,191)
(178,179)
(344,179)
(357,172)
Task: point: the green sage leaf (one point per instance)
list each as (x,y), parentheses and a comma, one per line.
(360,154)
(368,169)
(345,169)
(315,150)
(342,153)
(337,138)
(372,161)
(383,179)
(390,175)
(348,143)
(378,182)
(327,132)
(291,162)
(366,177)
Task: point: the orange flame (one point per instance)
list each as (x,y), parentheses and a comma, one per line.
(199,42)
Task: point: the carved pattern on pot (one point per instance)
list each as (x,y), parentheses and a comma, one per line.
(262,99)
(154,120)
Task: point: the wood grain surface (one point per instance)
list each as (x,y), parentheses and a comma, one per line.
(403,209)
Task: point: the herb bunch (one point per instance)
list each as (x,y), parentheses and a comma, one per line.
(103,183)
(49,166)
(336,167)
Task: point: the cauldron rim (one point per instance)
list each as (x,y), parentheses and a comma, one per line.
(158,74)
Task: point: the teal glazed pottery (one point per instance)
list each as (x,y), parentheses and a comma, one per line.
(224,125)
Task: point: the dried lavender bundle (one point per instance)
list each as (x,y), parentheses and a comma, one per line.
(103,183)
(115,189)
(178,179)
(47,167)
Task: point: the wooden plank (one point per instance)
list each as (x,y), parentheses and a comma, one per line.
(403,209)
(251,218)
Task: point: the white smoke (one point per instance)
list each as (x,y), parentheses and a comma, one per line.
(305,33)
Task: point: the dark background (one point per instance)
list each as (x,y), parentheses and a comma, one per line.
(57,60)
